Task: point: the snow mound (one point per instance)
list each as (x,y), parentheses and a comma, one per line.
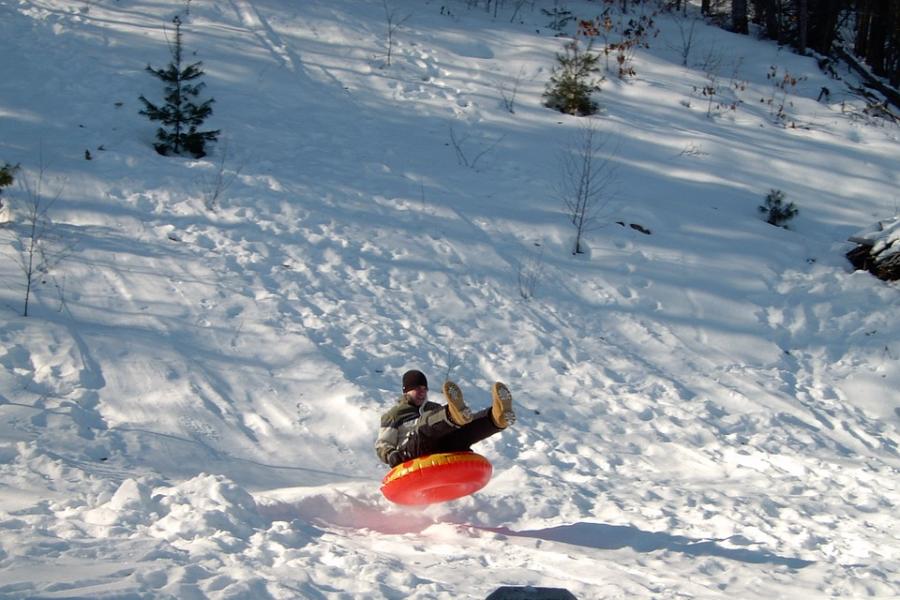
(208,509)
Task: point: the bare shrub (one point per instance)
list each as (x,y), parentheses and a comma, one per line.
(588,180)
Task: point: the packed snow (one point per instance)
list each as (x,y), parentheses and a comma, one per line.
(707,404)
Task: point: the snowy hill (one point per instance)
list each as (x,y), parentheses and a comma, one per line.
(707,404)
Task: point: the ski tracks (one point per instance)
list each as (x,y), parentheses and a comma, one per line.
(254,22)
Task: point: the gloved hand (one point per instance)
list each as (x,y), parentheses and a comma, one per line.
(394,458)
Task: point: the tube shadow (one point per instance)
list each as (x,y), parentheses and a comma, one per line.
(615,537)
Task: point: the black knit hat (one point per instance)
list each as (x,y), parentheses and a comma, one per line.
(413,379)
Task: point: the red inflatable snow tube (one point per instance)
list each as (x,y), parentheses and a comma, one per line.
(436,478)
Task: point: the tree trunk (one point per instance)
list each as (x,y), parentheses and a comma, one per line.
(765,12)
(878,37)
(739,16)
(773,23)
(893,56)
(824,16)
(704,7)
(863,19)
(803,25)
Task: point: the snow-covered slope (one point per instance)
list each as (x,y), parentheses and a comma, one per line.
(705,410)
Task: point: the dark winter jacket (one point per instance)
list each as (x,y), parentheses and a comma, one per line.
(399,423)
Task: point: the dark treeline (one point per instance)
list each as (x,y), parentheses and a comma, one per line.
(868,28)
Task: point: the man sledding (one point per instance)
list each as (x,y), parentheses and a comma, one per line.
(431,434)
(416,426)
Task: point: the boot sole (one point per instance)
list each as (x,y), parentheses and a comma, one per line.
(459,412)
(502,397)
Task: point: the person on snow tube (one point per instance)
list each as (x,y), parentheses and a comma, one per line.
(415,426)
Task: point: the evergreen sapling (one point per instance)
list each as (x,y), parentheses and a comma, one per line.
(775,209)
(572,81)
(6,177)
(181,115)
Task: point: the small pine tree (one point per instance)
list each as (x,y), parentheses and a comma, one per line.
(180,113)
(777,212)
(572,81)
(6,178)
(560,16)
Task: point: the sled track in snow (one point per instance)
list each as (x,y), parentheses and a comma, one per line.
(259,26)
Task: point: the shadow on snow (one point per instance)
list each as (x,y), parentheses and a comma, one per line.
(615,537)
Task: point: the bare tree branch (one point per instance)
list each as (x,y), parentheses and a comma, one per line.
(31,235)
(394,23)
(588,180)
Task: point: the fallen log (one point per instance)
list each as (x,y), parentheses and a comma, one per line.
(892,95)
(878,250)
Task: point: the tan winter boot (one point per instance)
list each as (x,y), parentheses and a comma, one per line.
(459,412)
(501,409)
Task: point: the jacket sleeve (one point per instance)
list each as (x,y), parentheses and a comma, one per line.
(388,439)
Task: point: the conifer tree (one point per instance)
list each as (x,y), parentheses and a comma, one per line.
(180,115)
(777,211)
(572,81)
(6,177)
